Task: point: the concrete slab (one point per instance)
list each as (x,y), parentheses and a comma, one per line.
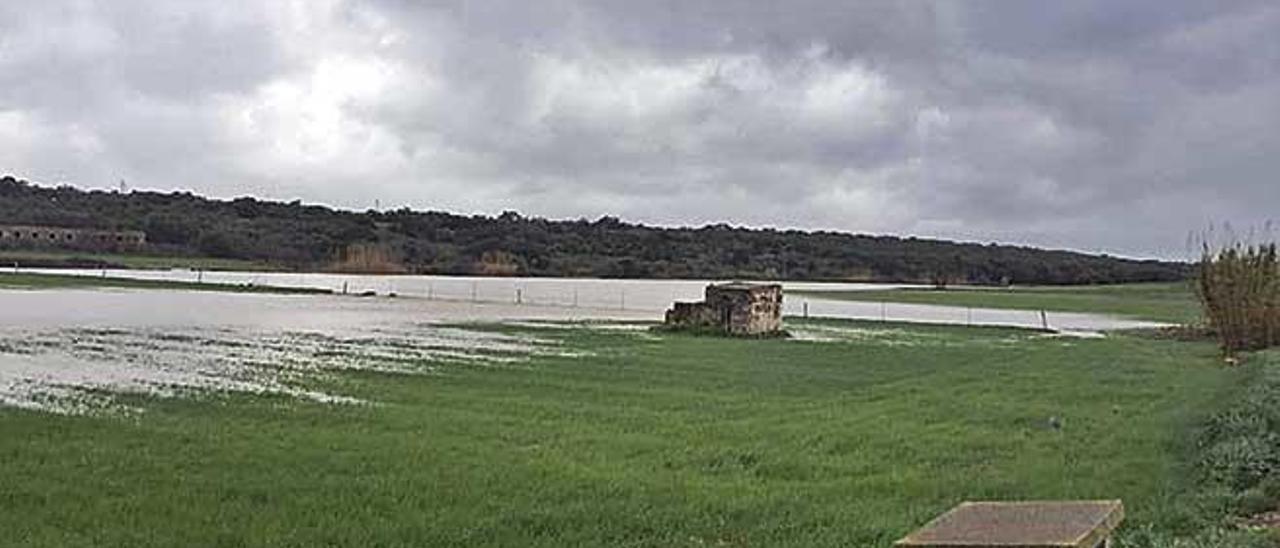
(1049,524)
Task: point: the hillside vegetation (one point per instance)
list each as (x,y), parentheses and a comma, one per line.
(294,235)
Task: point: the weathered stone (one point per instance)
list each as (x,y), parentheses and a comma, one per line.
(1068,524)
(737,308)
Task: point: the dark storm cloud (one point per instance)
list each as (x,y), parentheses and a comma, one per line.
(1116,126)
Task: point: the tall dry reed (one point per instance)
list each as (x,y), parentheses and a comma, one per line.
(1239,289)
(367,258)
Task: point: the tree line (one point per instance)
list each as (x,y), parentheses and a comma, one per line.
(310,237)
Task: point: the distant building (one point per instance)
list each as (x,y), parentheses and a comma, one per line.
(742,309)
(52,237)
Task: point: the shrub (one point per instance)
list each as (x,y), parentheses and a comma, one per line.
(1213,538)
(367,258)
(1238,468)
(1240,447)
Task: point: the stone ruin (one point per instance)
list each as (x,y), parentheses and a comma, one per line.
(737,309)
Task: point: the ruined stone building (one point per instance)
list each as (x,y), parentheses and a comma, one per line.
(743,309)
(50,237)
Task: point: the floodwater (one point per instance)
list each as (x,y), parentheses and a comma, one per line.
(563,298)
(652,296)
(67,351)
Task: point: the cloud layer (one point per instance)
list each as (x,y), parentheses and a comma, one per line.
(1093,125)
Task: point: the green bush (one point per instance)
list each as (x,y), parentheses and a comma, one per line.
(1238,462)
(1240,447)
(1255,501)
(1214,538)
(1271,487)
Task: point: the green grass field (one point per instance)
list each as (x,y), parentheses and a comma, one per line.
(11,280)
(637,440)
(1163,302)
(119,260)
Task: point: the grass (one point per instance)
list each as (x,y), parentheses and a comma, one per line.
(654,440)
(11,280)
(118,260)
(1162,302)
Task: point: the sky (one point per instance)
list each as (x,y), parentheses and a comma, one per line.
(1096,125)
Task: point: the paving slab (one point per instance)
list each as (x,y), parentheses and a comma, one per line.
(1046,524)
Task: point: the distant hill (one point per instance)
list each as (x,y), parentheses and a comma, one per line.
(298,236)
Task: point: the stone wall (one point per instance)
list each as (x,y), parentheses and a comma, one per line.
(698,315)
(733,308)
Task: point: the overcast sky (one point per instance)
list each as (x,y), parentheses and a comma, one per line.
(1094,125)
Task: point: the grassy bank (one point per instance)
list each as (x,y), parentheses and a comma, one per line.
(637,439)
(68,259)
(10,280)
(1163,302)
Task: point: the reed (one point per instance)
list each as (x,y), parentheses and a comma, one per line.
(367,258)
(1239,289)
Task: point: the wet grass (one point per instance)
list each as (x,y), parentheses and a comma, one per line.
(652,440)
(1162,302)
(21,280)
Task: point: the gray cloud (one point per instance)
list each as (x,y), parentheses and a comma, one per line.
(1097,125)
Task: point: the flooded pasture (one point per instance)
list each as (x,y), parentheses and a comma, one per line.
(69,351)
(569,298)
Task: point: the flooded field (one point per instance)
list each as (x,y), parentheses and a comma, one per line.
(567,298)
(608,294)
(68,350)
